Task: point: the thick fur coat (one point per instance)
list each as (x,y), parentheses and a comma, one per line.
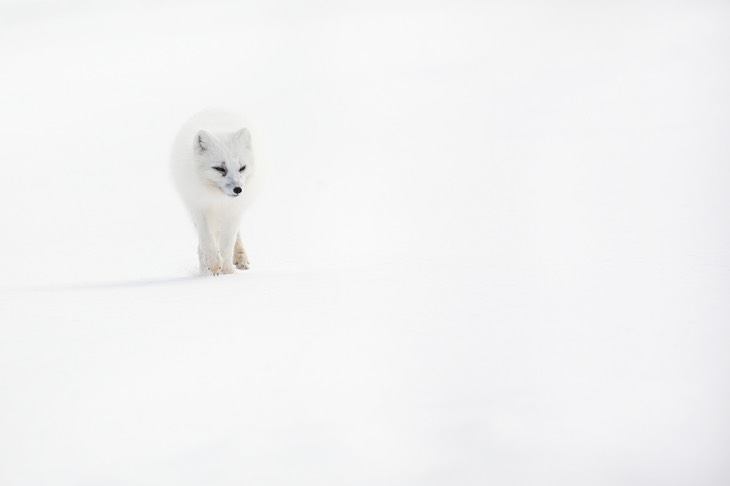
(216,175)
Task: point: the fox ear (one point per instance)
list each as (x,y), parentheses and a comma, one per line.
(203,141)
(244,136)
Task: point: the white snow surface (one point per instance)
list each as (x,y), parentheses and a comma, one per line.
(493,246)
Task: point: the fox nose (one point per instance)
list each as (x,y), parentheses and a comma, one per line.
(237,190)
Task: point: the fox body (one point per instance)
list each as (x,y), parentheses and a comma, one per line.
(214,170)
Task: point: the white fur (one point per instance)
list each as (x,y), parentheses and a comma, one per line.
(215,138)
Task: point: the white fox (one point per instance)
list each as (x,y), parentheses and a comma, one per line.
(213,168)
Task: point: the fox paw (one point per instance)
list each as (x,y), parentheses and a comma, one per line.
(241,261)
(228,268)
(211,265)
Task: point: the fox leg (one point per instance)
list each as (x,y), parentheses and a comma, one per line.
(240,259)
(208,255)
(228,234)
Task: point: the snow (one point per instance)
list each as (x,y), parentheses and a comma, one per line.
(492,247)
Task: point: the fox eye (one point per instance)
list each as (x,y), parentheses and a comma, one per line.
(222,170)
(242,169)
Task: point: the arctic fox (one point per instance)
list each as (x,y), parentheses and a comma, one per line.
(214,171)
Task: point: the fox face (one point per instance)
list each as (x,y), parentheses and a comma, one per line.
(224,160)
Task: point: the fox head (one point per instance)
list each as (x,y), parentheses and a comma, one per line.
(225,160)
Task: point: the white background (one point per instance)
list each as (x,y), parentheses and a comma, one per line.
(492,247)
